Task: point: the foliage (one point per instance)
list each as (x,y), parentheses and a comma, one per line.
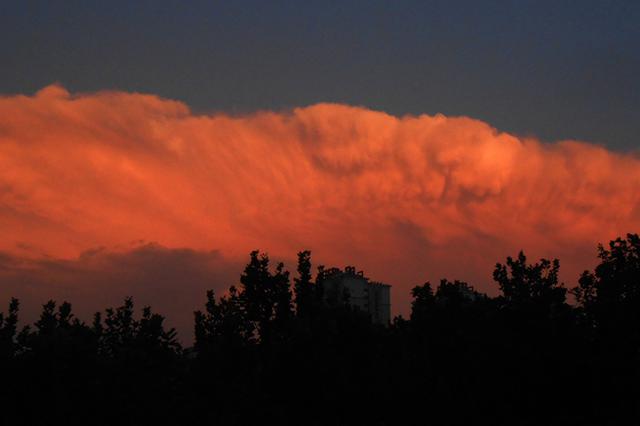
(262,357)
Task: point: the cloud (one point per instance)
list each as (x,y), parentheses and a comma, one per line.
(404,198)
(173,281)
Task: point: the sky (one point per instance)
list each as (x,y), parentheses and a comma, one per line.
(554,69)
(146,149)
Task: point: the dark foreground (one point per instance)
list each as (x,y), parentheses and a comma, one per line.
(272,353)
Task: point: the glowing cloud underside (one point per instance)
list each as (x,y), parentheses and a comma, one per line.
(405,199)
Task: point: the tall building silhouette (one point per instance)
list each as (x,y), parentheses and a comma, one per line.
(356,289)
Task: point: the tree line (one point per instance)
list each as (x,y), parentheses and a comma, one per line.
(276,350)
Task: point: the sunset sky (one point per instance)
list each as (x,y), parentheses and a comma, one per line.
(145,150)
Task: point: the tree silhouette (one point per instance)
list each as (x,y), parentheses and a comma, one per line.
(423,301)
(58,334)
(8,328)
(223,324)
(610,295)
(281,297)
(303,286)
(456,294)
(523,357)
(609,305)
(265,297)
(525,285)
(123,335)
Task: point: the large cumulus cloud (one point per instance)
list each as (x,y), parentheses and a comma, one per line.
(405,198)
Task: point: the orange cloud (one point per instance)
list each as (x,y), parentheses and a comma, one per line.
(404,198)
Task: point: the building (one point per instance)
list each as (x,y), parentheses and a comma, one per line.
(354,288)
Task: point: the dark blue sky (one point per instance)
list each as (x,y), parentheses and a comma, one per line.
(555,69)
